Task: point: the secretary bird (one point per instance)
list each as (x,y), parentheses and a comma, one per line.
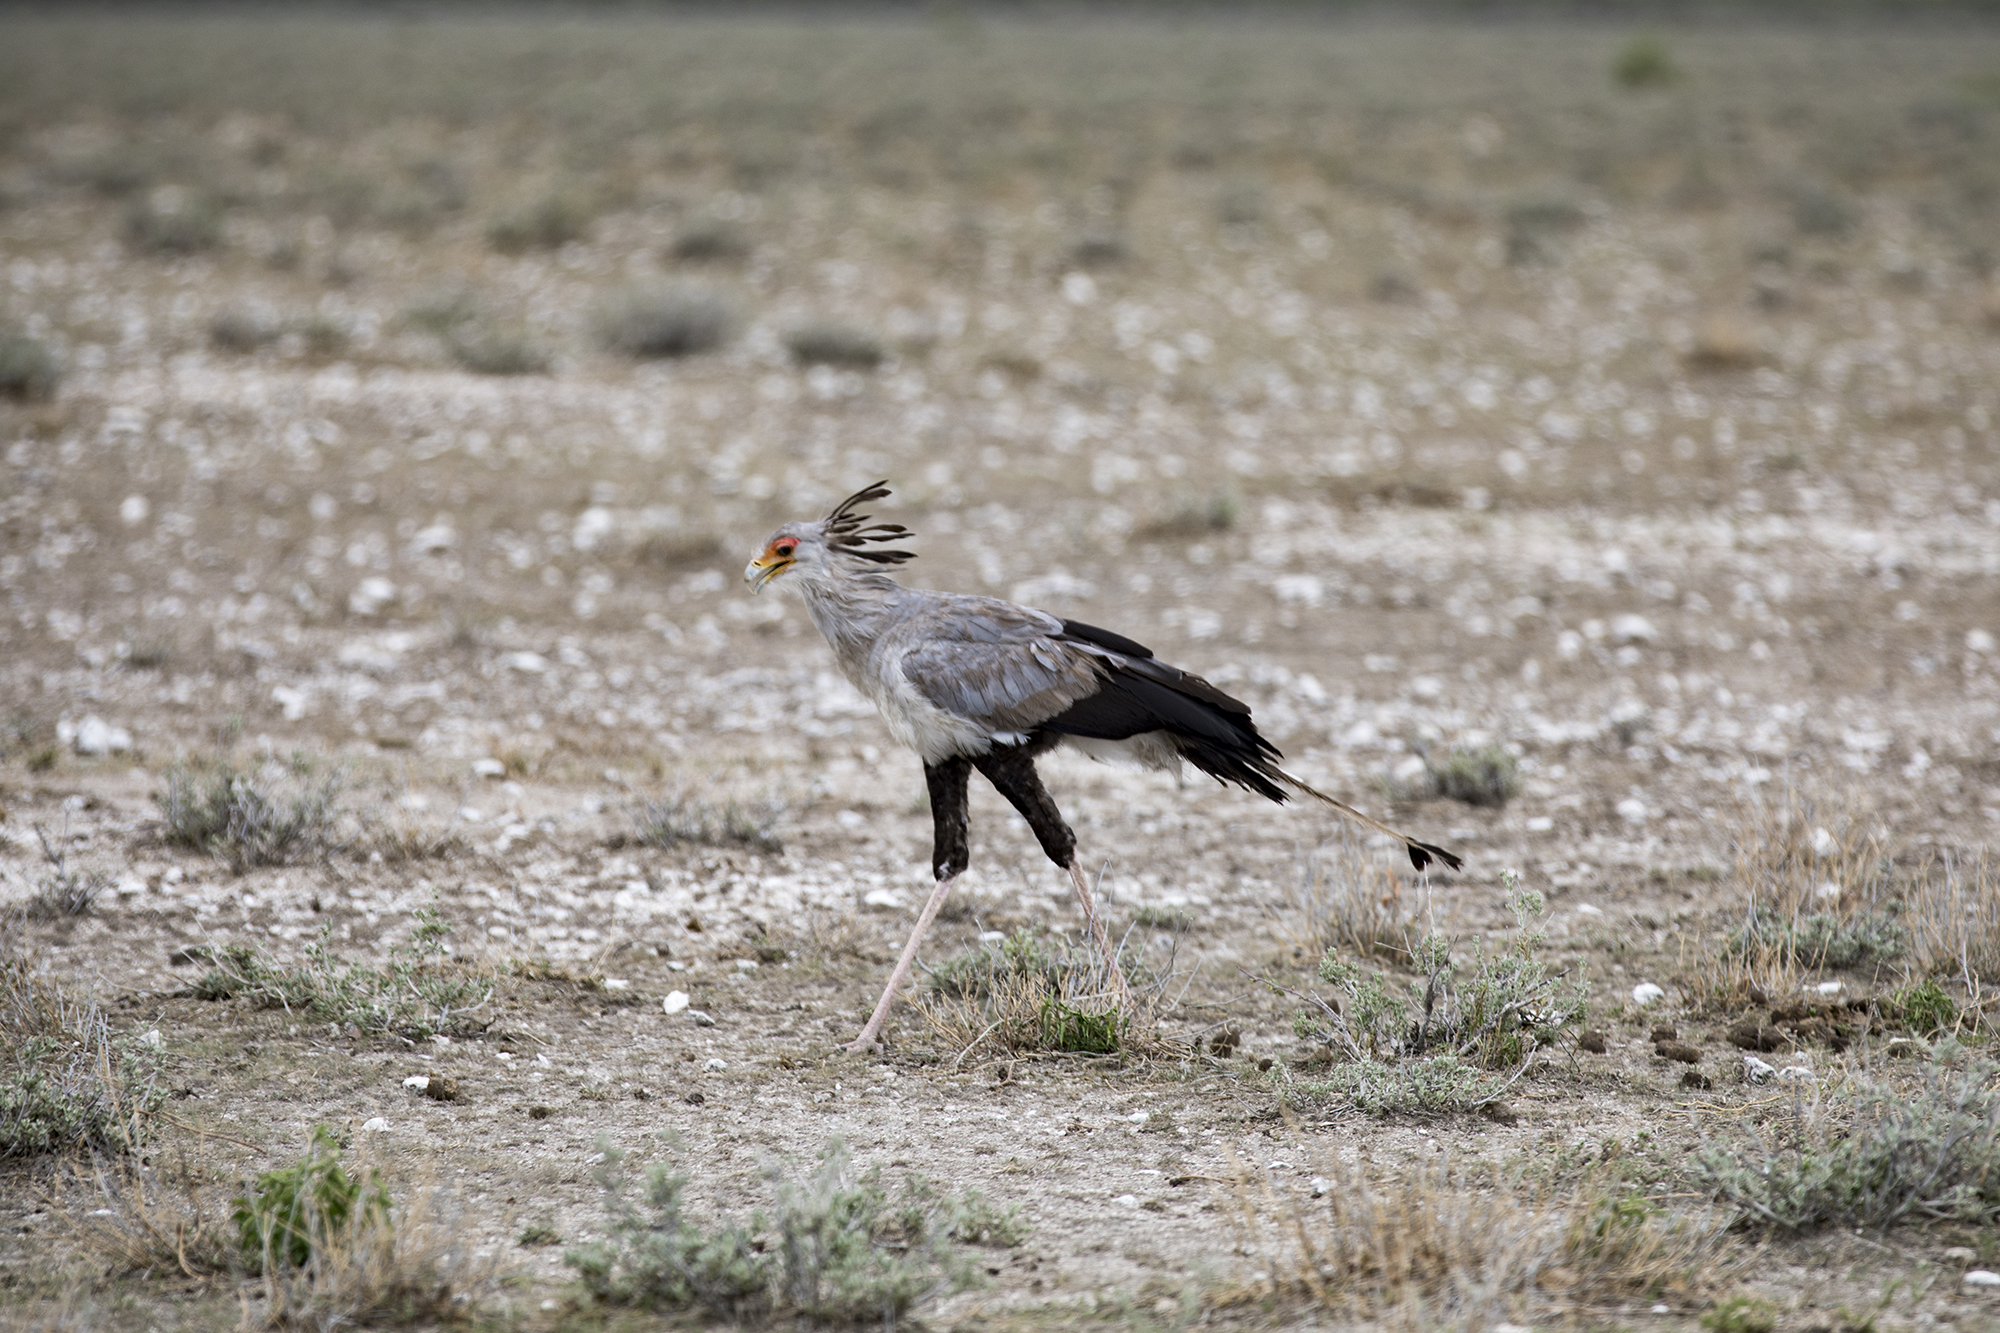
(974,682)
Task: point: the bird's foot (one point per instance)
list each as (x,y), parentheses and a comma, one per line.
(862,1046)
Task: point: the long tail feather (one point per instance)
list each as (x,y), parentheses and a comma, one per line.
(1420,852)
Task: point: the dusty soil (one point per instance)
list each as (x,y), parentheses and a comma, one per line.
(1691,503)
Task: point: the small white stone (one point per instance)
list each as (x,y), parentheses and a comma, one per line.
(1320,1186)
(1586,909)
(377,1125)
(533,664)
(371,596)
(1662,1309)
(1630,628)
(134,508)
(992,936)
(95,736)
(701,1018)
(1980,1277)
(1140,1117)
(745,964)
(439,1039)
(1961,1255)
(881,898)
(1756,1071)
(489,768)
(417,1082)
(1823,843)
(1132,1201)
(1633,810)
(676,1001)
(1646,993)
(1978,641)
(714,1063)
(1541,824)
(617,983)
(153,1039)
(1826,889)
(1796,1074)
(1830,988)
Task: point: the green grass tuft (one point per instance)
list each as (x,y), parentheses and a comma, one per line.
(288,1213)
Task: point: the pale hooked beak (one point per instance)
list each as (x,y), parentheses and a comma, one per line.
(761,571)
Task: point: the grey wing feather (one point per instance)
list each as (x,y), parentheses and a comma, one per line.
(997,664)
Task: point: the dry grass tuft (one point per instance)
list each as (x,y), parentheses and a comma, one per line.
(1440,1246)
(66,1084)
(1953,914)
(1030,993)
(1348,901)
(270,816)
(164,1215)
(28,369)
(671,321)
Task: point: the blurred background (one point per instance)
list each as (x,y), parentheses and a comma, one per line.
(416,380)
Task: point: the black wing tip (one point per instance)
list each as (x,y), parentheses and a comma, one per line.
(1422,852)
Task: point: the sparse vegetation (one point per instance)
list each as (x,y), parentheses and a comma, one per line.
(1871,1153)
(289,1213)
(274,815)
(711,239)
(1644,62)
(1486,775)
(1428,1051)
(1028,992)
(489,348)
(830,344)
(1820,940)
(421,992)
(28,369)
(841,1246)
(1356,906)
(64,891)
(665,322)
(547,223)
(676,820)
(67,1084)
(173,220)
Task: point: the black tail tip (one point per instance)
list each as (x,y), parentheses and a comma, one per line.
(1422,852)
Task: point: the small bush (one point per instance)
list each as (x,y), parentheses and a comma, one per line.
(1194,517)
(66,1084)
(1819,940)
(834,345)
(173,220)
(840,1246)
(712,239)
(1872,1155)
(1953,912)
(677,820)
(665,322)
(487,348)
(288,1213)
(548,223)
(1925,1008)
(1176,919)
(1486,775)
(1422,1051)
(1355,905)
(28,369)
(1100,249)
(1030,992)
(1644,62)
(1819,212)
(268,818)
(242,331)
(63,892)
(1741,1314)
(420,993)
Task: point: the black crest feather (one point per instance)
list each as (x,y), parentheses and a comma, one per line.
(850,532)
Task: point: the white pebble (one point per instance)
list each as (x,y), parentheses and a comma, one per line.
(134,508)
(1960,1255)
(417,1081)
(1633,810)
(745,964)
(377,1125)
(1132,1201)
(153,1039)
(1980,1277)
(676,1001)
(1756,1071)
(1830,988)
(1320,1186)
(1795,1074)
(881,898)
(701,1018)
(617,983)
(1647,993)
(714,1063)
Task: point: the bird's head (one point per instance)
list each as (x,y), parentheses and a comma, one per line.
(824,553)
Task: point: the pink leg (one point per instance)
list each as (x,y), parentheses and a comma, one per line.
(866,1041)
(1097,933)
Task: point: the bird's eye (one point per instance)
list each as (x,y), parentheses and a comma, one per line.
(785,548)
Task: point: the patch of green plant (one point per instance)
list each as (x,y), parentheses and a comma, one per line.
(67,1085)
(1926,1008)
(830,344)
(1819,940)
(1484,775)
(268,817)
(288,1214)
(28,369)
(711,239)
(838,1246)
(1153,917)
(670,321)
(488,348)
(534,1237)
(1433,1044)
(420,993)
(1080,1032)
(678,820)
(1741,1314)
(1644,62)
(1872,1155)
(547,223)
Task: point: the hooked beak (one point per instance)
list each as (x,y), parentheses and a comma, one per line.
(762,570)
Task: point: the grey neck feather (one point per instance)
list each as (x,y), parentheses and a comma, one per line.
(853,610)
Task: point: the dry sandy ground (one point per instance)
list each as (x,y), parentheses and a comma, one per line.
(1696,552)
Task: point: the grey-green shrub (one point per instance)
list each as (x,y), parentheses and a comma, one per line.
(839,1246)
(28,369)
(1821,939)
(1872,1155)
(252,818)
(670,321)
(67,1085)
(288,1214)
